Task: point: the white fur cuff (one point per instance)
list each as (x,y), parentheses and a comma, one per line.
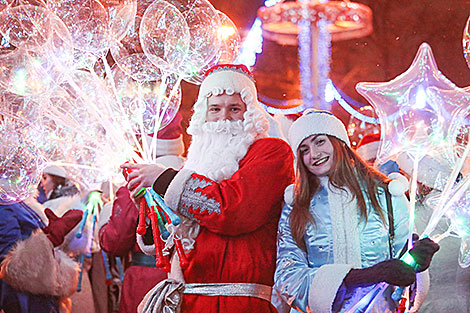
(289,195)
(33,266)
(399,184)
(325,285)
(176,187)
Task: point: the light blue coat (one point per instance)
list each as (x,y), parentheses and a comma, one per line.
(309,281)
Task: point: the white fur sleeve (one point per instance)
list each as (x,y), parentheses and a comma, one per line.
(35,267)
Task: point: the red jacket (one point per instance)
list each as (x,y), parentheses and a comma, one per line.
(238,219)
(118,238)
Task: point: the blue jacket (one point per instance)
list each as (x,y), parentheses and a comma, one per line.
(309,280)
(17,223)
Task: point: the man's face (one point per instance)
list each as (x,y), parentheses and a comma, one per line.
(225,107)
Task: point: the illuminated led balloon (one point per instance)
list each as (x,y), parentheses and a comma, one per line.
(26,26)
(464,253)
(229,47)
(27,73)
(147,102)
(164,36)
(466,42)
(409,120)
(5,4)
(21,163)
(128,53)
(94,26)
(203,24)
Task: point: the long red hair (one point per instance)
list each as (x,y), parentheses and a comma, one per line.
(348,171)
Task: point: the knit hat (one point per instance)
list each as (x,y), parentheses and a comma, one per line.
(368,146)
(314,122)
(56,171)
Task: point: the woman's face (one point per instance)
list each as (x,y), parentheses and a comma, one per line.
(47,183)
(317,153)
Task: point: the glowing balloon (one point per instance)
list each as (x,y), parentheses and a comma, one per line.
(229,47)
(147,103)
(164,36)
(464,254)
(26,26)
(466,42)
(20,161)
(410,120)
(128,53)
(203,24)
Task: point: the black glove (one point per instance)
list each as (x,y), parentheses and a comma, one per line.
(394,272)
(422,252)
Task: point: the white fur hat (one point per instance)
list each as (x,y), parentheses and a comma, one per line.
(231,78)
(314,122)
(56,171)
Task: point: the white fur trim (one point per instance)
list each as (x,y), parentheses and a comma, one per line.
(399,184)
(368,151)
(422,289)
(33,266)
(325,285)
(172,161)
(175,189)
(36,207)
(147,249)
(228,80)
(289,195)
(315,122)
(170,146)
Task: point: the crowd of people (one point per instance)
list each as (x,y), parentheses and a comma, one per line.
(267,225)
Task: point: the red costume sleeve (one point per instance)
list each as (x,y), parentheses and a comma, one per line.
(117,236)
(244,202)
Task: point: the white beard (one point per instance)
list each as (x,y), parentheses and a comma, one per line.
(217,149)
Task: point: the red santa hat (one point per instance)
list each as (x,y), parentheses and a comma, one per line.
(368,146)
(229,79)
(170,138)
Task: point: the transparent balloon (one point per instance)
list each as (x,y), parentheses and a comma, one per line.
(149,105)
(203,24)
(95,25)
(21,163)
(164,36)
(464,253)
(128,53)
(466,42)
(229,48)
(27,73)
(26,26)
(411,119)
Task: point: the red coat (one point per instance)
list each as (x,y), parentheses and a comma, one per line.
(237,237)
(118,238)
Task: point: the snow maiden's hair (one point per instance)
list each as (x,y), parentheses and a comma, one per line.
(348,171)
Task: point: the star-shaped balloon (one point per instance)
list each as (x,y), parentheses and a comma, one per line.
(413,119)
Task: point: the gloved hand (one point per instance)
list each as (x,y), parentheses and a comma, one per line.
(394,272)
(60,226)
(422,252)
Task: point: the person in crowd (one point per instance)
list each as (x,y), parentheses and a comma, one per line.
(118,233)
(55,184)
(35,276)
(230,195)
(342,225)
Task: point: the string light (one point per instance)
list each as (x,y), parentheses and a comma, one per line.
(253,45)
